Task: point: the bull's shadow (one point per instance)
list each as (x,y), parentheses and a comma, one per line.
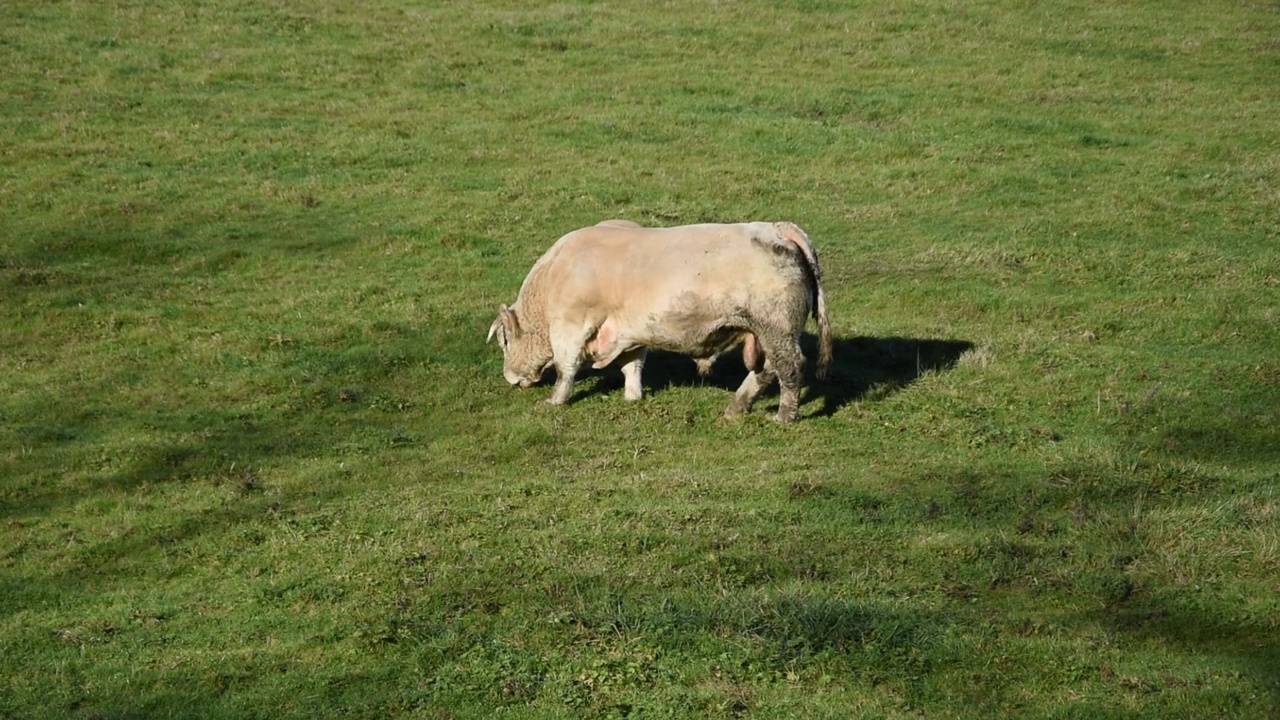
(860,367)
(879,366)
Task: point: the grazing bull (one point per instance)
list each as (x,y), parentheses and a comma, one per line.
(607,293)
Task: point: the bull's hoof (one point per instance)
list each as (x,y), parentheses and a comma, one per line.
(787,415)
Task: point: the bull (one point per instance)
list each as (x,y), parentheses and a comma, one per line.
(605,294)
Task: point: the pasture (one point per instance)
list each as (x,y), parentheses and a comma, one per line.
(256,459)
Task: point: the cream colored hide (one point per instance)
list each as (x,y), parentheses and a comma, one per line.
(605,293)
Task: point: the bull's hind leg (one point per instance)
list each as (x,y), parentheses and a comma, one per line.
(782,360)
(790,369)
(756,382)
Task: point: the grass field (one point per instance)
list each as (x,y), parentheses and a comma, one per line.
(256,459)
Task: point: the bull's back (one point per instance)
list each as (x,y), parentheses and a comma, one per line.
(648,268)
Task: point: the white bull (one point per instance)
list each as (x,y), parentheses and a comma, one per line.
(608,292)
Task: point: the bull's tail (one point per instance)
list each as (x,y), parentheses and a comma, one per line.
(793,233)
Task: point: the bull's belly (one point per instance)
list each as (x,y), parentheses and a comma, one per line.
(699,343)
(699,325)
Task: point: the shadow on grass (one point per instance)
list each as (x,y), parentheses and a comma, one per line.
(217,446)
(883,641)
(1252,645)
(139,519)
(1245,435)
(862,367)
(119,487)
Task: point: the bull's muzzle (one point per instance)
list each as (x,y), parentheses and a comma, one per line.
(516,380)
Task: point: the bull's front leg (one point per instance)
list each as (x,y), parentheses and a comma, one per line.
(564,383)
(566,355)
(632,367)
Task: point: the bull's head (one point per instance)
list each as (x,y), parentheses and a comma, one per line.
(523,358)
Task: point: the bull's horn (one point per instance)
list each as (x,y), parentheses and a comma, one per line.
(508,318)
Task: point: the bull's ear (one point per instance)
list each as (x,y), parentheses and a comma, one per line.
(508,318)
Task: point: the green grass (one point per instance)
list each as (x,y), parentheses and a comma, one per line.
(257,461)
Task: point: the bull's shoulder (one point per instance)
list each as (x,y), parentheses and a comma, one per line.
(575,242)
